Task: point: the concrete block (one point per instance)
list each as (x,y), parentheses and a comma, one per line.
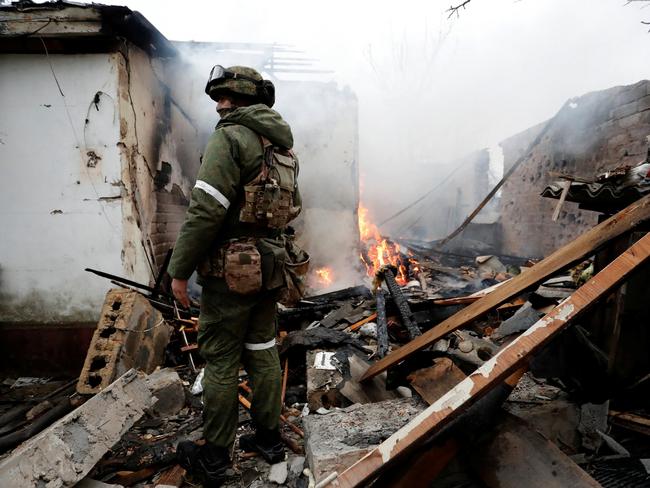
(170,394)
(130,334)
(335,441)
(65,452)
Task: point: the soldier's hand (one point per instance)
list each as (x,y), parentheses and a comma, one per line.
(179,288)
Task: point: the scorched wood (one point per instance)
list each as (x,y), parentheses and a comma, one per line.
(484,379)
(387,274)
(382,324)
(573,252)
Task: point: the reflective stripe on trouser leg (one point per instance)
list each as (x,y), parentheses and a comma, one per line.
(259,346)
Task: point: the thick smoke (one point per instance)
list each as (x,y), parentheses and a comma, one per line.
(433,89)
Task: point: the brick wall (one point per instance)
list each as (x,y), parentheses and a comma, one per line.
(170,215)
(597,131)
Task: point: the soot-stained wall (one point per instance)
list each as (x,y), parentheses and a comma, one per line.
(592,133)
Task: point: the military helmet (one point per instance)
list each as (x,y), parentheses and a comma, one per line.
(241,81)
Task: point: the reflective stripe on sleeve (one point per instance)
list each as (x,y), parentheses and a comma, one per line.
(259,346)
(213,192)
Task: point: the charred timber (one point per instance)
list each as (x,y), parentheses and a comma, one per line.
(382,324)
(62,407)
(345,294)
(512,357)
(564,257)
(388,275)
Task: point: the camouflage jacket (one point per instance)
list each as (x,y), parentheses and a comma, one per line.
(232,158)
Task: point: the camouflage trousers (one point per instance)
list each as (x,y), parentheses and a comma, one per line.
(233,330)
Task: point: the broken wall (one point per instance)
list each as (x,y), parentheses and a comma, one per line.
(593,133)
(61,169)
(89,149)
(160,157)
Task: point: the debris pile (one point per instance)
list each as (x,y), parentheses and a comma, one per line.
(445,370)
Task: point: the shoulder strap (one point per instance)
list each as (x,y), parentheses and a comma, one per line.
(267,156)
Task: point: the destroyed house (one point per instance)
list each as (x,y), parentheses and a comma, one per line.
(443,367)
(102,151)
(105,120)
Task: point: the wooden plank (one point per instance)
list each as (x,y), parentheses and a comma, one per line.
(433,382)
(630,421)
(362,322)
(573,252)
(566,185)
(440,414)
(516,455)
(173,477)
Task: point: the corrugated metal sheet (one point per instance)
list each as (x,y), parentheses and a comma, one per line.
(594,195)
(620,473)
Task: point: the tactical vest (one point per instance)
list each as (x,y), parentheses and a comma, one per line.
(269,199)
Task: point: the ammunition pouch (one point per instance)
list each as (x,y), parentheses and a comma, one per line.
(269,198)
(242,267)
(274,256)
(296,268)
(239,262)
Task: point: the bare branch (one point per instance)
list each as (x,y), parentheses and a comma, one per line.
(454,10)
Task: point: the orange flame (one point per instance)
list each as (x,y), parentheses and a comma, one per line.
(379,251)
(324,276)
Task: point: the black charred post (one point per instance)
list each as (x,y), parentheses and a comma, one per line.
(382,324)
(388,275)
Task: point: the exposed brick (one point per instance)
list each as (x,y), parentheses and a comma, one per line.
(631,93)
(624,110)
(578,144)
(630,120)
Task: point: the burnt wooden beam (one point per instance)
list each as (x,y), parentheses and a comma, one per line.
(382,324)
(388,275)
(564,257)
(512,357)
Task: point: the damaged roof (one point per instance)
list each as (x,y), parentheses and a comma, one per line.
(78,28)
(598,196)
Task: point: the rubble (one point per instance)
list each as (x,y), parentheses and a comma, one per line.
(278,473)
(65,452)
(516,455)
(340,438)
(500,366)
(448,362)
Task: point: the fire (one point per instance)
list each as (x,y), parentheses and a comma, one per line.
(324,276)
(379,251)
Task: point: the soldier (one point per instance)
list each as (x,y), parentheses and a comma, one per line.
(245,194)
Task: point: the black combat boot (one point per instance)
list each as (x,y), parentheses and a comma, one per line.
(266,442)
(206,463)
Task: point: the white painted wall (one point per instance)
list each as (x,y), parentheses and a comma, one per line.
(54,219)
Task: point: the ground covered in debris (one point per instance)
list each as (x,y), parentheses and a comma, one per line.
(557,409)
